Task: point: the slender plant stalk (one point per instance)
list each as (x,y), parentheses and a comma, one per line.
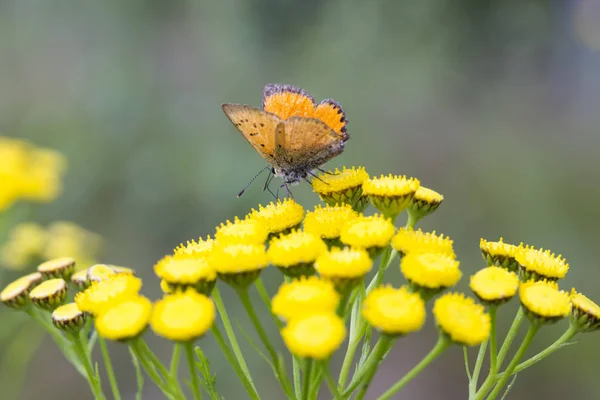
(139,376)
(383,345)
(477,368)
(93,379)
(114,387)
(174,365)
(306,378)
(189,352)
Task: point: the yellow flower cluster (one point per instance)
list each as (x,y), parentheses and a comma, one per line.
(28,173)
(28,243)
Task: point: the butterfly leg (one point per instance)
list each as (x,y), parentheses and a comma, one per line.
(327,172)
(316,177)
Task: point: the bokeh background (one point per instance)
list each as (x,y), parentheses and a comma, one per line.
(493,104)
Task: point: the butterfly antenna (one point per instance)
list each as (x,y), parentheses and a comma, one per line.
(327,172)
(252,180)
(316,177)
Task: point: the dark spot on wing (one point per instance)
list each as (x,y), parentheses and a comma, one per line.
(261,124)
(253,133)
(254,125)
(262,145)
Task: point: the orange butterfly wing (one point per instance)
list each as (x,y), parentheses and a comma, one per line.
(305,143)
(257,126)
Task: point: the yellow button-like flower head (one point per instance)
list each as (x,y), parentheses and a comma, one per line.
(183,316)
(391,194)
(124,320)
(394,311)
(463,320)
(201,248)
(500,254)
(305,296)
(247,231)
(543,302)
(372,233)
(425,202)
(181,271)
(295,253)
(327,222)
(238,264)
(62,267)
(430,273)
(69,318)
(344,267)
(416,241)
(540,264)
(280,217)
(585,313)
(16,293)
(494,285)
(342,187)
(104,294)
(314,336)
(49,294)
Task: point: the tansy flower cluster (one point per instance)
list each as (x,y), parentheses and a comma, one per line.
(331,263)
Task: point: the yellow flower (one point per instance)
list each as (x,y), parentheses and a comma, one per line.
(585,314)
(23,246)
(68,318)
(14,160)
(500,254)
(183,316)
(341,187)
(57,268)
(165,287)
(430,273)
(391,194)
(80,279)
(408,241)
(394,311)
(304,296)
(327,222)
(344,267)
(494,285)
(49,294)
(247,231)
(182,271)
(66,239)
(540,264)
(124,320)
(42,179)
(463,320)
(280,217)
(542,301)
(314,336)
(16,293)
(201,248)
(238,264)
(372,233)
(102,295)
(295,253)
(424,202)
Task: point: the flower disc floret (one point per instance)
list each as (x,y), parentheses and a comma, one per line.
(184,270)
(102,295)
(124,320)
(279,217)
(494,284)
(341,187)
(408,241)
(585,312)
(463,320)
(68,317)
(183,316)
(49,294)
(57,268)
(542,301)
(314,336)
(394,311)
(201,248)
(327,222)
(540,264)
(304,296)
(247,231)
(296,252)
(238,258)
(16,293)
(369,232)
(500,254)
(424,202)
(430,270)
(100,272)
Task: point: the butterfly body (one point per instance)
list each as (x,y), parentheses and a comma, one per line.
(292,133)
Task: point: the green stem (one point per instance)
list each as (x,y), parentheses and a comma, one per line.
(306,378)
(560,342)
(239,357)
(442,344)
(386,259)
(189,352)
(114,387)
(246,379)
(333,387)
(138,349)
(355,338)
(93,379)
(510,337)
(281,375)
(139,377)
(533,329)
(493,341)
(380,349)
(477,368)
(174,365)
(467,367)
(378,353)
(264,295)
(412,220)
(296,375)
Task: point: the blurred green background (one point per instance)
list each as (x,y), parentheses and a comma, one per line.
(493,104)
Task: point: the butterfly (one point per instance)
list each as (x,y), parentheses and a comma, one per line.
(291,132)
